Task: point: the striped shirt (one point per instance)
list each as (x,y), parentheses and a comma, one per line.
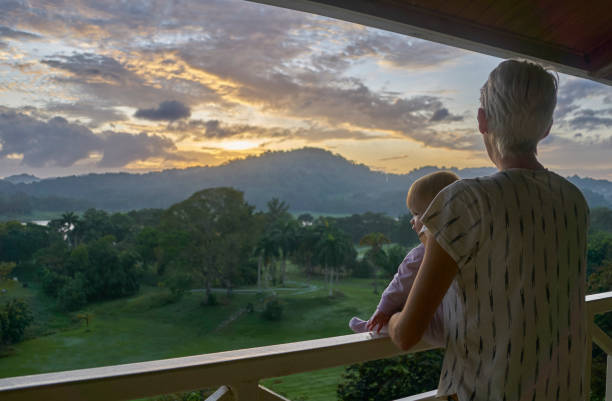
(517,329)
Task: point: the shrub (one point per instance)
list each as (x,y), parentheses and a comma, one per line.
(211,300)
(273,310)
(388,379)
(26,272)
(15,317)
(178,283)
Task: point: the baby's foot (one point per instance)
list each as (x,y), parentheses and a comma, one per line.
(358,325)
(361,326)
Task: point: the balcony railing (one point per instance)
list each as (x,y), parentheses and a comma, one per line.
(238,372)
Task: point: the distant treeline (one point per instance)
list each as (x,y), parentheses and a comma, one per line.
(22,204)
(212,239)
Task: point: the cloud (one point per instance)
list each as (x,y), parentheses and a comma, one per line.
(573,90)
(444,115)
(104,80)
(120,148)
(569,156)
(225,53)
(266,57)
(91,66)
(403,52)
(97,114)
(588,119)
(215,129)
(168,110)
(57,142)
(10,33)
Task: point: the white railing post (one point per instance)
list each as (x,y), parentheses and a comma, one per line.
(596,304)
(223,393)
(589,347)
(609,379)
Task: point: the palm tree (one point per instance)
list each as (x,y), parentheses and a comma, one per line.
(67,223)
(333,249)
(375,241)
(267,250)
(287,236)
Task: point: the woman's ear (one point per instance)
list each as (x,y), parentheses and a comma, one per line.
(482,121)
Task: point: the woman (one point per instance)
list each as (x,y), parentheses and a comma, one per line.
(515,243)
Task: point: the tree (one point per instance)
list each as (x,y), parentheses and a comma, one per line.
(333,249)
(395,256)
(599,249)
(146,243)
(267,250)
(305,219)
(376,254)
(277,210)
(287,239)
(403,233)
(306,246)
(210,234)
(65,226)
(601,219)
(94,224)
(19,242)
(89,272)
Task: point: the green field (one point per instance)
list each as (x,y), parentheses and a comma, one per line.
(147,327)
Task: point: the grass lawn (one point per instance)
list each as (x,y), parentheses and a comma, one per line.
(145,327)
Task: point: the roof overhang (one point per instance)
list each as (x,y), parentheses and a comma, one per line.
(573,37)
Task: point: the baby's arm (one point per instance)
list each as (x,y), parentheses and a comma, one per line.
(396,293)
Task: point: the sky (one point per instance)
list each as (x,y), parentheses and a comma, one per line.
(106,86)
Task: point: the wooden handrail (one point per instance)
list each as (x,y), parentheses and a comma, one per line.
(239,369)
(134,380)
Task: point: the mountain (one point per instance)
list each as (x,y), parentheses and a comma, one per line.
(308,179)
(22,179)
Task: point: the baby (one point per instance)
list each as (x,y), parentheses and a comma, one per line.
(420,195)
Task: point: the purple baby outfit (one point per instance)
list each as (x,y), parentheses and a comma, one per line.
(395,295)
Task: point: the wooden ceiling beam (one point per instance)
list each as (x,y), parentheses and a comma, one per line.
(419,22)
(601,59)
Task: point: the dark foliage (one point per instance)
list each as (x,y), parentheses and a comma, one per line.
(601,220)
(600,281)
(15,317)
(273,310)
(18,242)
(22,204)
(389,379)
(396,230)
(92,272)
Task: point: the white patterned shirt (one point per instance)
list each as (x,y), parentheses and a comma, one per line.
(517,329)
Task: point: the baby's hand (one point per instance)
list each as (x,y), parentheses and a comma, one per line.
(378,320)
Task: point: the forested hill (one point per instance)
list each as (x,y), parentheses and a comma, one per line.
(307,179)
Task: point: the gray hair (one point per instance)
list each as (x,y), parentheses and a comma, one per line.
(519,99)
